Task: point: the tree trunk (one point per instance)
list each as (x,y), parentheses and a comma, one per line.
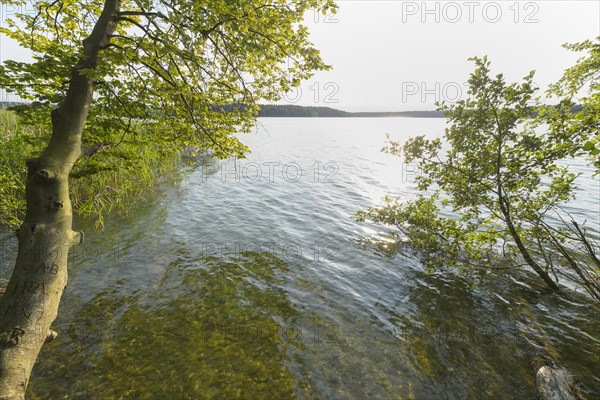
(505,210)
(30,303)
(523,250)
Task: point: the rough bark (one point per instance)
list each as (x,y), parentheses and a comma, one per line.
(30,303)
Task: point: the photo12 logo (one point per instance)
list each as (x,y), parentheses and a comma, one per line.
(439,92)
(4,97)
(317,93)
(234,171)
(425,92)
(326,16)
(453,12)
(10,11)
(318,252)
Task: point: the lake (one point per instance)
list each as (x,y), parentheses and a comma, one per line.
(250,280)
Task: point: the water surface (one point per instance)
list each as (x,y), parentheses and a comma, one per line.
(250,280)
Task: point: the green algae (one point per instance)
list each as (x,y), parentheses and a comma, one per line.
(206,332)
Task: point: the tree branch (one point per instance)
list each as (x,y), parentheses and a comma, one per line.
(88,151)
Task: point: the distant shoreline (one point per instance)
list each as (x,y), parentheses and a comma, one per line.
(293,111)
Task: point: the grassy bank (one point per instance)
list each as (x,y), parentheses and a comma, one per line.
(105,183)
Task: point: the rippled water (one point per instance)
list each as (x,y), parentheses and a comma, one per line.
(251,281)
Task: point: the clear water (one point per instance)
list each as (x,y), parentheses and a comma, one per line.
(264,288)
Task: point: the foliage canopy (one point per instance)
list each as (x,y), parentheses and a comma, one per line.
(161,83)
(178,59)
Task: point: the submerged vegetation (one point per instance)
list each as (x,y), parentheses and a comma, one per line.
(223,336)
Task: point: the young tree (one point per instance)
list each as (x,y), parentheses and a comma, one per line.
(490,193)
(101,67)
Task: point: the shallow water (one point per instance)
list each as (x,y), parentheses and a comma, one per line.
(251,281)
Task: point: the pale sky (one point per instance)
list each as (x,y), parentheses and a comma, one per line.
(393,55)
(404,55)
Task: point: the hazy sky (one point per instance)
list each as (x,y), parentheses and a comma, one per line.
(405,55)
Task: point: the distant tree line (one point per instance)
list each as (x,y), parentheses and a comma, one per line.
(282,111)
(294,111)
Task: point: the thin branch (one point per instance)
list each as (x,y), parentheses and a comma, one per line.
(88,151)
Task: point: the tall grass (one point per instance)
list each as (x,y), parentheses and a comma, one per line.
(109,182)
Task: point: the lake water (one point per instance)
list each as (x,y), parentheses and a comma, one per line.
(251,281)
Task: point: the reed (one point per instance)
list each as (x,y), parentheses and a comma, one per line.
(101,185)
